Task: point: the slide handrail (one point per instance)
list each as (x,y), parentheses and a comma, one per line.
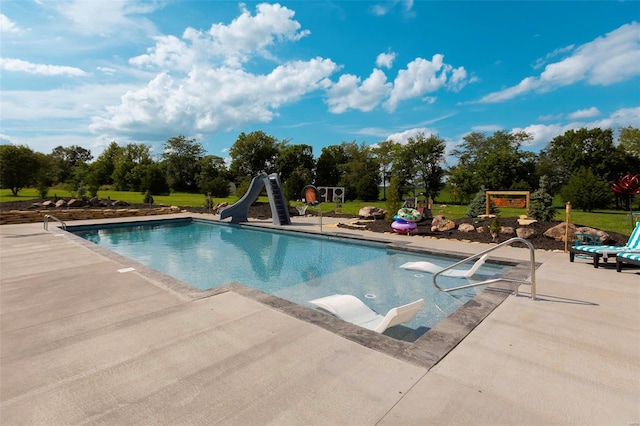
(515,282)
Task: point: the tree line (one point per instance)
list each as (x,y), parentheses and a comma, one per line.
(580,165)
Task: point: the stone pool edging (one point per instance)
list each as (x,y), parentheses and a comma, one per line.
(13,217)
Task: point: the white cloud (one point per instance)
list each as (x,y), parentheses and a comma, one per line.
(381,9)
(233,44)
(211,100)
(543,134)
(385,60)
(7,26)
(606,60)
(348,93)
(421,77)
(404,136)
(585,113)
(18,65)
(108,17)
(540,62)
(487,128)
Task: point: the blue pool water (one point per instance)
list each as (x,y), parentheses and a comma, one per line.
(297,267)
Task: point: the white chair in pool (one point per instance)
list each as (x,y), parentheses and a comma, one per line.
(351,309)
(457,273)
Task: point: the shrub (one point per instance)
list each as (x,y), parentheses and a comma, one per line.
(541,207)
(148,198)
(393,203)
(478,205)
(586,191)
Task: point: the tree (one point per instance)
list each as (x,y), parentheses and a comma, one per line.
(130,167)
(478,206)
(585,148)
(421,160)
(294,157)
(385,154)
(64,160)
(19,166)
(213,171)
(586,191)
(154,180)
(630,140)
(181,157)
(541,205)
(497,162)
(328,172)
(253,153)
(105,164)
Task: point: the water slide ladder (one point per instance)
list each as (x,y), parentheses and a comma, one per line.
(516,282)
(279,207)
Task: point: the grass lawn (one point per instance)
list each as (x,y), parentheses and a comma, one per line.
(608,220)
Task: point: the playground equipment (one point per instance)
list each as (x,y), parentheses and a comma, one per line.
(279,207)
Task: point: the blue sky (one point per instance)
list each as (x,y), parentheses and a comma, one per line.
(88,72)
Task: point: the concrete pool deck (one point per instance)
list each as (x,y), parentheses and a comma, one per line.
(81,342)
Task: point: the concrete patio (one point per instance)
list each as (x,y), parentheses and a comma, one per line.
(82,342)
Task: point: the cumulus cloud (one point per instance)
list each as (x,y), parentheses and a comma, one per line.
(7,26)
(233,44)
(385,60)
(422,77)
(350,93)
(202,86)
(585,113)
(607,60)
(212,99)
(18,65)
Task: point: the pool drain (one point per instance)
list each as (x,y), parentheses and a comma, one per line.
(370,296)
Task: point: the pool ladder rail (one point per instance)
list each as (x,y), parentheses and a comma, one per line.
(516,282)
(50,216)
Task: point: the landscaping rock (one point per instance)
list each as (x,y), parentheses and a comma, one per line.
(61,203)
(371,212)
(440,224)
(508,230)
(526,233)
(76,202)
(558,232)
(466,227)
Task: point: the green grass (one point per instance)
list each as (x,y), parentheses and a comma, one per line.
(608,220)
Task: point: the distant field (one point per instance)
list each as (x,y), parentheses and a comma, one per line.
(608,220)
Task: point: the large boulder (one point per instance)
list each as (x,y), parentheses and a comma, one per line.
(61,203)
(558,232)
(371,212)
(440,224)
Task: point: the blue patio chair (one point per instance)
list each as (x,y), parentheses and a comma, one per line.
(597,252)
(627,258)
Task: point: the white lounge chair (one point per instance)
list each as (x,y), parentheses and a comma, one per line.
(353,310)
(432,268)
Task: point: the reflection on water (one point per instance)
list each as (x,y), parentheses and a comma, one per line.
(296,267)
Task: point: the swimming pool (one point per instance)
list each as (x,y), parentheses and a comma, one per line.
(291,265)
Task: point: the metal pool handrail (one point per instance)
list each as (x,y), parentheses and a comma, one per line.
(515,282)
(50,216)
